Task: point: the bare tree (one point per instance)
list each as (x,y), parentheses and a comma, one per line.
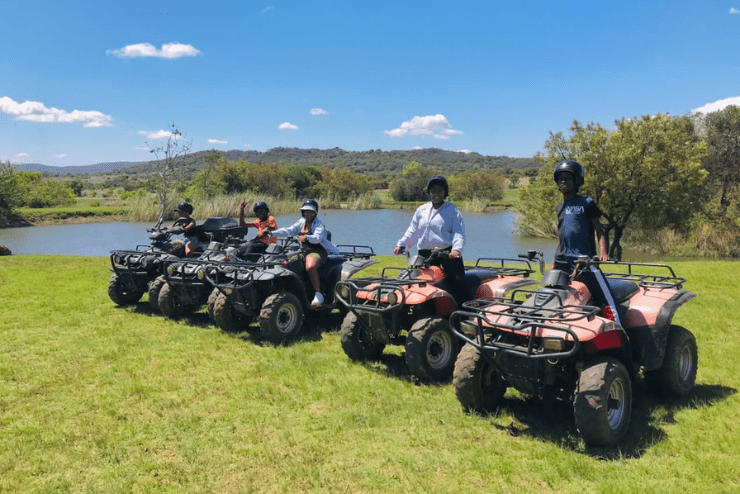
(170,158)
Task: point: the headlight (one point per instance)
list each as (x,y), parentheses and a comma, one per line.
(343,291)
(554,344)
(116,258)
(392,298)
(200,274)
(468,328)
(144,262)
(170,270)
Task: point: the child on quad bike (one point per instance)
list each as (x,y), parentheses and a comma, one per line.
(315,245)
(578,221)
(187,223)
(258,245)
(438,224)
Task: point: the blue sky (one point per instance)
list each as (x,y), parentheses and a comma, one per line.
(89,81)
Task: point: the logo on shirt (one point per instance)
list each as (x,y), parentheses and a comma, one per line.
(574,210)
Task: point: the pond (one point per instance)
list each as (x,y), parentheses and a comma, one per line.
(488,234)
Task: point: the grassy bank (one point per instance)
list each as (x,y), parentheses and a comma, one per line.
(95,398)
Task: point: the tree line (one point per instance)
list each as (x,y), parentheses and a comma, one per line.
(669,184)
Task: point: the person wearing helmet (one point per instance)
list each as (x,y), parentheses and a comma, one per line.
(315,246)
(187,223)
(256,246)
(578,225)
(439,224)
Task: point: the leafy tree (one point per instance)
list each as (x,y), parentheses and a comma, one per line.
(304,180)
(205,184)
(170,158)
(10,194)
(646,173)
(39,192)
(260,179)
(723,155)
(343,184)
(411,184)
(478,185)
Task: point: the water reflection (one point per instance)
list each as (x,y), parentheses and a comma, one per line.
(489,234)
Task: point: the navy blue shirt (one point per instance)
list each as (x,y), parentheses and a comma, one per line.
(575,229)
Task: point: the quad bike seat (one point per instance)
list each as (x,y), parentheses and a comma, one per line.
(622,289)
(474,277)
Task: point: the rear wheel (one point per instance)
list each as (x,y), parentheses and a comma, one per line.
(120,293)
(677,375)
(281,316)
(170,306)
(154,288)
(357,343)
(603,402)
(431,349)
(227,317)
(478,387)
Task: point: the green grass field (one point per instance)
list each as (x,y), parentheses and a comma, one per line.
(100,399)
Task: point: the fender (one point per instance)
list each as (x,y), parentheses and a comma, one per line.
(653,338)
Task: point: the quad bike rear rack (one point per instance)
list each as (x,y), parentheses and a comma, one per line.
(658,281)
(525,320)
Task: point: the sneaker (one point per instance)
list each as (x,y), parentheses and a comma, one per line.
(318,300)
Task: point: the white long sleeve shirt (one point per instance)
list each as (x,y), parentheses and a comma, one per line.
(317,235)
(430,228)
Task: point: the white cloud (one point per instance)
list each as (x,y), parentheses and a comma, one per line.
(287,126)
(717,105)
(21,155)
(318,111)
(216,141)
(733,10)
(267,10)
(34,111)
(60,155)
(247,145)
(466,151)
(169,50)
(433,125)
(159,134)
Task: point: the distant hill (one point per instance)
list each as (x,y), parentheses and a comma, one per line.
(374,162)
(76,170)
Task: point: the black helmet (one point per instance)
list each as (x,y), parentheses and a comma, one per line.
(185,207)
(438,180)
(260,205)
(310,205)
(570,166)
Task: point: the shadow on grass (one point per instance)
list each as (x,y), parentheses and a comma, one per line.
(553,421)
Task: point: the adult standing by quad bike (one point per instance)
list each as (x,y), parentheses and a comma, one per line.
(413,308)
(559,342)
(136,272)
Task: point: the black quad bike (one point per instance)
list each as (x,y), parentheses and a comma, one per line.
(184,288)
(554,342)
(135,271)
(411,305)
(276,289)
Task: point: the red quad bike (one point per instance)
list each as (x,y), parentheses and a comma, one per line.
(552,342)
(410,306)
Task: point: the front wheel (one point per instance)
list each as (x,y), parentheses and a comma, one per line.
(603,402)
(170,306)
(281,316)
(431,349)
(478,387)
(357,343)
(154,288)
(227,317)
(677,375)
(122,294)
